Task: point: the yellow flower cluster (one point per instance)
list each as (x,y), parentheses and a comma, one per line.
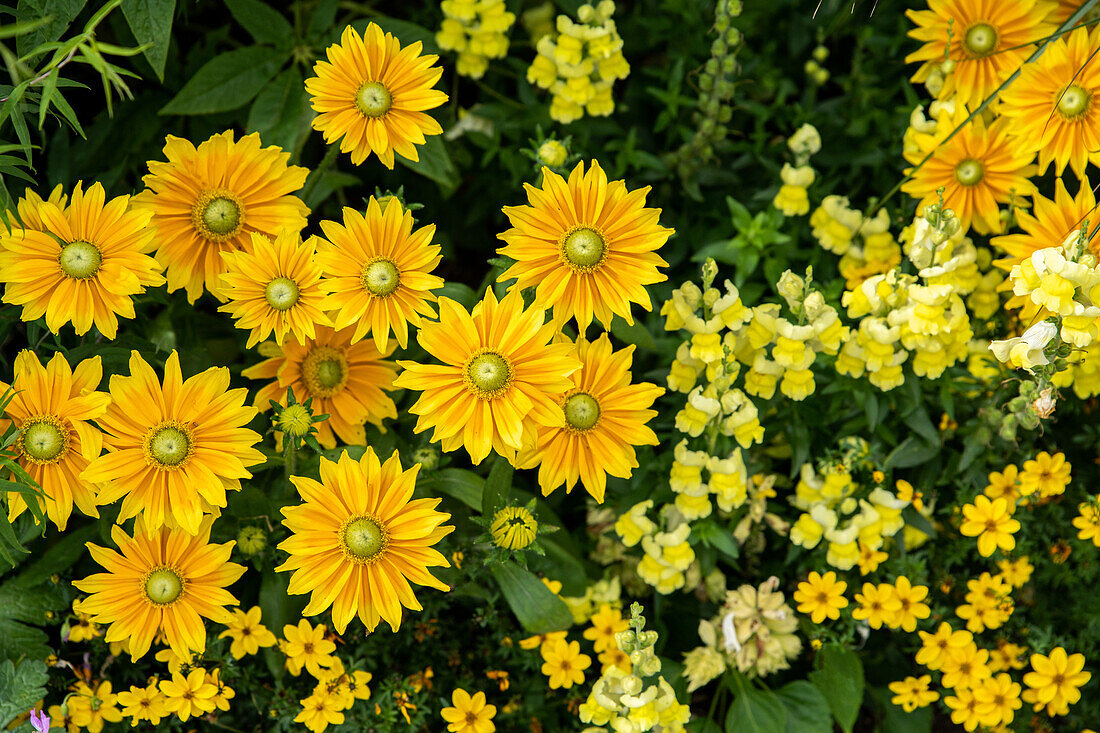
(726,479)
(792,198)
(754,632)
(580,65)
(839,512)
(477,30)
(625,700)
(308,647)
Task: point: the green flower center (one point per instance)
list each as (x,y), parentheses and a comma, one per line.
(163,586)
(80,260)
(281,293)
(364,538)
(1074,102)
(970,172)
(324,371)
(380,277)
(981,39)
(373,99)
(295,420)
(43,441)
(170,445)
(489,374)
(581,411)
(221,216)
(584,249)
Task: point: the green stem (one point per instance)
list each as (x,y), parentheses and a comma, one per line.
(319,172)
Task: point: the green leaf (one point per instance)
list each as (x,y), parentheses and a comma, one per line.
(718,537)
(560,564)
(807,710)
(538,610)
(463,485)
(227,81)
(434,163)
(460,292)
(753,710)
(21,687)
(497,486)
(262,22)
(281,112)
(151,23)
(839,676)
(60,14)
(277,607)
(59,557)
(21,610)
(635,333)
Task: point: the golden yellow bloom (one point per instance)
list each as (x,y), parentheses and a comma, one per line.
(998,700)
(359,539)
(911,597)
(1088,521)
(978,169)
(306,646)
(51,408)
(1049,222)
(247,632)
(85,264)
(1046,475)
(499,379)
(374,94)
(27,208)
(821,596)
(991,522)
(321,709)
(274,288)
(606,622)
(604,417)
(92,707)
(1052,105)
(587,246)
(173,449)
(162,581)
(912,693)
(347,380)
(1055,681)
(513,528)
(378,271)
(210,199)
(563,663)
(989,41)
(189,696)
(878,605)
(470,714)
(144,704)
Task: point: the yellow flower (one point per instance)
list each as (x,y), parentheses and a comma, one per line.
(539,640)
(1004,484)
(1052,105)
(977,168)
(606,622)
(85,264)
(587,246)
(173,448)
(51,408)
(273,288)
(821,596)
(998,699)
(912,606)
(378,271)
(144,703)
(1016,572)
(247,632)
(306,646)
(83,629)
(937,648)
(964,708)
(1055,681)
(513,528)
(987,43)
(563,663)
(499,379)
(1088,521)
(470,714)
(878,605)
(869,558)
(1006,656)
(634,524)
(604,416)
(359,538)
(912,693)
(965,666)
(210,199)
(1046,475)
(189,696)
(321,709)
(375,94)
(991,522)
(92,707)
(163,582)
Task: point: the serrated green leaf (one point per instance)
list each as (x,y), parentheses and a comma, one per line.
(263,22)
(21,611)
(227,81)
(151,23)
(21,687)
(537,609)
